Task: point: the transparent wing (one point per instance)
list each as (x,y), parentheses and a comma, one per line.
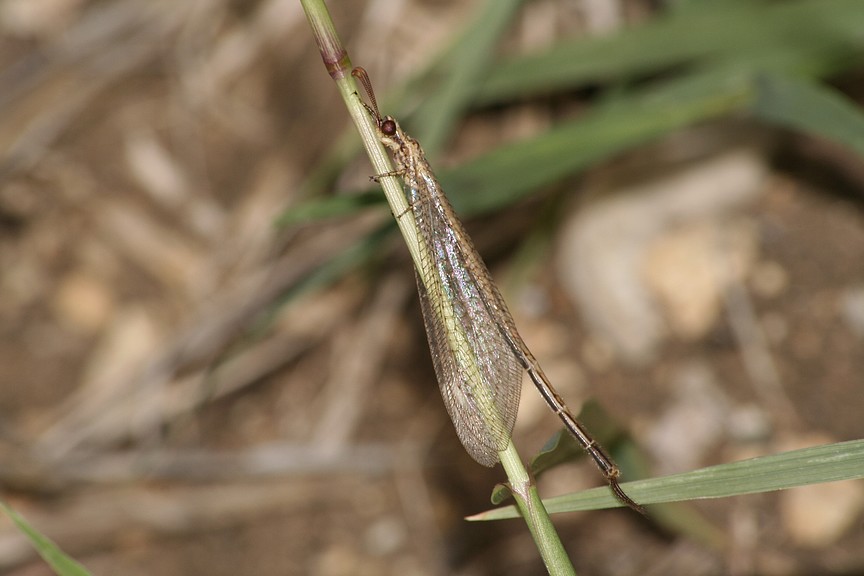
(479,375)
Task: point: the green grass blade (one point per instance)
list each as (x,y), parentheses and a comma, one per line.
(361,254)
(59,562)
(435,120)
(810,107)
(729,42)
(445,88)
(326,208)
(512,172)
(700,37)
(805,37)
(829,463)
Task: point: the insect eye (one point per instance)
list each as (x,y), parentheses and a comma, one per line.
(388,127)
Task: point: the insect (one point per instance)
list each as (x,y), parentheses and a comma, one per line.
(476,349)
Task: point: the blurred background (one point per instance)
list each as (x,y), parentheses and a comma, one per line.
(212,359)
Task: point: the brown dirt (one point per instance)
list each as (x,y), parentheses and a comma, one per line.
(161,413)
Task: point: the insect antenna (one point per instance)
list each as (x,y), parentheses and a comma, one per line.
(363,77)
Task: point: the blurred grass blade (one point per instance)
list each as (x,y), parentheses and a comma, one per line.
(514,171)
(562,447)
(357,256)
(511,172)
(662,44)
(59,562)
(829,463)
(328,208)
(698,38)
(725,44)
(442,104)
(472,53)
(433,122)
(811,108)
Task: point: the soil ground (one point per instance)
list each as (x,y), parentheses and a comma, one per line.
(177,398)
